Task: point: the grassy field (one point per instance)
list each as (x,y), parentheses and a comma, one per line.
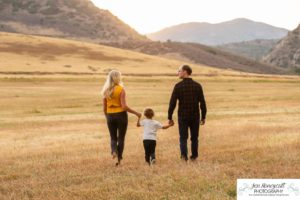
(32,54)
(55,143)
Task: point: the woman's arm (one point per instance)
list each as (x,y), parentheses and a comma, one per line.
(104,106)
(124,105)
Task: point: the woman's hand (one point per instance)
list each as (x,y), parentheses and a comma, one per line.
(139,115)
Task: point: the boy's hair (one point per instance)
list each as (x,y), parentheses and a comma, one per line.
(149,113)
(187,68)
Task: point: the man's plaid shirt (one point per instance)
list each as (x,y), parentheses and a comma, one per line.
(190,94)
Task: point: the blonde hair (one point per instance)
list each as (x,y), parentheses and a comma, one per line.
(113,79)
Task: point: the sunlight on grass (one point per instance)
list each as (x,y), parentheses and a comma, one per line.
(55,143)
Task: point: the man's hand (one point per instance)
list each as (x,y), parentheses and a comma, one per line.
(202,122)
(171,122)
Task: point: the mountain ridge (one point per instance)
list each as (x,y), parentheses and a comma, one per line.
(236,30)
(81,20)
(201,54)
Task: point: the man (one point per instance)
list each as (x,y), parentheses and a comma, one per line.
(189,93)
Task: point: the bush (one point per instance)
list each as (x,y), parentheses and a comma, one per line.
(297,70)
(50,11)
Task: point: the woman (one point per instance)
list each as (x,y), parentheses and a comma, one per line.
(115,110)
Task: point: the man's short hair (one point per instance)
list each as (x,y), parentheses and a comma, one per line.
(187,68)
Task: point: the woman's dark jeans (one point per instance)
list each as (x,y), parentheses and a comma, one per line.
(184,124)
(117,126)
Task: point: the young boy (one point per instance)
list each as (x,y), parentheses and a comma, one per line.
(150,128)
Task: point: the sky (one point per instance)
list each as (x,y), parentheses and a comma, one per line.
(147,16)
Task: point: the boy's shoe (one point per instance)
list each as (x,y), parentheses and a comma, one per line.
(119,162)
(152,161)
(114,154)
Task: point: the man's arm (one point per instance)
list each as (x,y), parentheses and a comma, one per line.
(202,106)
(172,104)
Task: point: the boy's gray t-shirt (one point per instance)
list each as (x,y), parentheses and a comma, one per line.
(150,128)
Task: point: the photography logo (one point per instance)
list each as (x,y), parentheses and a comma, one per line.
(264,189)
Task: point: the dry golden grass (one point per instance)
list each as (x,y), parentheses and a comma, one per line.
(55,144)
(25,53)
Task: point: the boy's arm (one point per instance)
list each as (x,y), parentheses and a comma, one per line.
(138,124)
(167,126)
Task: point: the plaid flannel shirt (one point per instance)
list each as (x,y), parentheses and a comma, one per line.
(189,93)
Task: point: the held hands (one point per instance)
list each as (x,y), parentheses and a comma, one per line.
(139,115)
(171,122)
(202,122)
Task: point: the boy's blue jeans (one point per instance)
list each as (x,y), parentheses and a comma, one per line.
(184,125)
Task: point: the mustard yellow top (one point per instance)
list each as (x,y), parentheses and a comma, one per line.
(114,103)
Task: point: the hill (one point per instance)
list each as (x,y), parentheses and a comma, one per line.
(35,54)
(254,49)
(286,53)
(81,20)
(236,30)
(201,54)
(76,19)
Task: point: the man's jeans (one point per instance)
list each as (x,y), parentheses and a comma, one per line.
(117,125)
(184,124)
